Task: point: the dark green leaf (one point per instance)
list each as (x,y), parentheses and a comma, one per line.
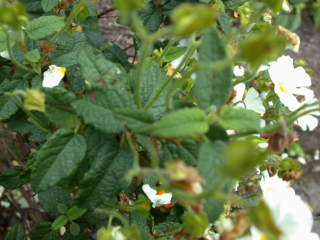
(48,5)
(239,119)
(212,88)
(33,56)
(99,117)
(174,53)
(17,232)
(151,17)
(181,123)
(95,66)
(51,198)
(75,229)
(210,161)
(105,178)
(13,178)
(75,212)
(59,222)
(57,159)
(115,54)
(44,26)
(43,231)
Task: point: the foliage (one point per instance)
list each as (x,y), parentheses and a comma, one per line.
(106,124)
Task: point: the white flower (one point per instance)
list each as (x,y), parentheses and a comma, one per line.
(159,198)
(238,71)
(291,214)
(288,81)
(53,76)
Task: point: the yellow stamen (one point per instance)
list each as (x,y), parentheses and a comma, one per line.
(263,238)
(282,87)
(62,70)
(160,192)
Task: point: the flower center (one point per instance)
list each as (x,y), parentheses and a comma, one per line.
(160,192)
(263,237)
(282,87)
(62,70)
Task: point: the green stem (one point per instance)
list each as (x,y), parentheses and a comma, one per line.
(11,55)
(168,79)
(133,149)
(115,214)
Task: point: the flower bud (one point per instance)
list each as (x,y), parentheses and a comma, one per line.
(189,18)
(34,100)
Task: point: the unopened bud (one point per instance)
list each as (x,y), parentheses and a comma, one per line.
(34,100)
(189,18)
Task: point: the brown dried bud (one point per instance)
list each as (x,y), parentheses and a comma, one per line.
(278,141)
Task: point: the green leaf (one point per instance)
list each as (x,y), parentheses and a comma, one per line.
(33,56)
(242,157)
(152,77)
(62,118)
(210,161)
(106,176)
(151,17)
(181,123)
(212,88)
(44,26)
(174,53)
(195,223)
(7,108)
(261,217)
(239,119)
(99,117)
(75,229)
(75,212)
(48,5)
(59,222)
(17,232)
(57,159)
(137,120)
(95,66)
(52,198)
(43,231)
(13,178)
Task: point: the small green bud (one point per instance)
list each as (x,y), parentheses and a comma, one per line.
(262,47)
(34,100)
(189,18)
(13,15)
(195,223)
(104,234)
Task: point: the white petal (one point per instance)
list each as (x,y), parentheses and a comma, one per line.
(239,88)
(53,76)
(238,71)
(308,122)
(289,101)
(254,102)
(150,192)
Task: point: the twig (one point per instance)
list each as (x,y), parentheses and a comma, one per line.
(106,12)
